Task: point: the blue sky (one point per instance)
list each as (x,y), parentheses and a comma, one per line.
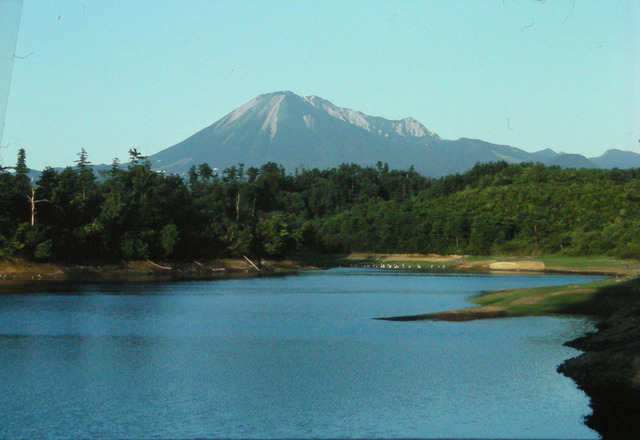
(108,76)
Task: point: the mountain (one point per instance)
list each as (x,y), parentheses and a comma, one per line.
(565,160)
(545,155)
(617,159)
(311,132)
(297,132)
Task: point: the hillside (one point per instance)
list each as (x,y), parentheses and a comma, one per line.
(496,208)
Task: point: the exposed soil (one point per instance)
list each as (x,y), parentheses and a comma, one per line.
(24,271)
(504,266)
(486,312)
(434,258)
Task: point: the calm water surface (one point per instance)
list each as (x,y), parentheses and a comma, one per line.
(298,356)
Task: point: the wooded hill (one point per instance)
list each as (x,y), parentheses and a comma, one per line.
(133,212)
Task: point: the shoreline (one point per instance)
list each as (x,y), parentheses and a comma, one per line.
(20,272)
(514,303)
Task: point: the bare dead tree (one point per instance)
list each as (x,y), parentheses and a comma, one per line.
(33,201)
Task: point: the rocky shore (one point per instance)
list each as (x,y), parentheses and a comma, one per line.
(609,369)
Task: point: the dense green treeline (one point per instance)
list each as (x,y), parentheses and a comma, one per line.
(133,212)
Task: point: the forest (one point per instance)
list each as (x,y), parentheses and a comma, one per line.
(130,211)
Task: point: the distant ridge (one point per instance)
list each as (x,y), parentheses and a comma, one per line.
(311,132)
(571,161)
(617,159)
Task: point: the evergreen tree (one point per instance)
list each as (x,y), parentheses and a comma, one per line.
(21,165)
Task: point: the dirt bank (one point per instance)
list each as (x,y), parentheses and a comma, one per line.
(25,271)
(504,266)
(488,312)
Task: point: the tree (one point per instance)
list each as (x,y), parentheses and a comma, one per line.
(205,172)
(135,156)
(83,159)
(86,179)
(169,236)
(193,176)
(21,165)
(277,236)
(32,202)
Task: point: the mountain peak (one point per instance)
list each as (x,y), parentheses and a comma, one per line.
(280,93)
(268,108)
(615,158)
(265,107)
(410,127)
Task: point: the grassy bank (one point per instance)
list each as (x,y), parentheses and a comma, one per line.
(583,299)
(600,265)
(593,299)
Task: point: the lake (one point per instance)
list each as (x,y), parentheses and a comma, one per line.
(297,356)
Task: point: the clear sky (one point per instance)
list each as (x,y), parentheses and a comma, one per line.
(111,75)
